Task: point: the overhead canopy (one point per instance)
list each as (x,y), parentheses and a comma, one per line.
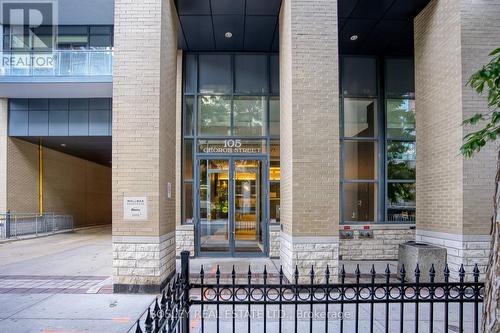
(381,26)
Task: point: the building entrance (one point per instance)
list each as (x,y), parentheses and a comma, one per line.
(231,206)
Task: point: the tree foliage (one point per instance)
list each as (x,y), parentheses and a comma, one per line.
(486,79)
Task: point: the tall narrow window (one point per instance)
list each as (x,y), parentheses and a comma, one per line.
(360,140)
(400,141)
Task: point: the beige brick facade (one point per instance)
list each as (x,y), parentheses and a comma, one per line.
(70,185)
(144,129)
(452,40)
(309,129)
(3,154)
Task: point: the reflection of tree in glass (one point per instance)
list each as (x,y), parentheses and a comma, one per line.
(401,156)
(401,118)
(399,193)
(248,113)
(215,111)
(401,165)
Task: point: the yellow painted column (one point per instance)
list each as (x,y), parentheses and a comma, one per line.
(40,178)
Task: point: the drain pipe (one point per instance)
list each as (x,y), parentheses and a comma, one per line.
(40,178)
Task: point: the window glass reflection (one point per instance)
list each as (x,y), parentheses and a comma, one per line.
(274,116)
(401,202)
(188,115)
(360,202)
(188,159)
(214,73)
(401,118)
(360,117)
(214,115)
(359,76)
(401,160)
(188,202)
(360,160)
(248,115)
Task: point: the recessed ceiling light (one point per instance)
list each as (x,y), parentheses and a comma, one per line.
(228,34)
(63,145)
(354,37)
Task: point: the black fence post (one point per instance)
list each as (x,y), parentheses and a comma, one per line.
(7,225)
(185,291)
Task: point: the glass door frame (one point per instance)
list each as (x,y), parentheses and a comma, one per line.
(264,199)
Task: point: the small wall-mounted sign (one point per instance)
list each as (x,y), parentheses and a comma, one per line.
(135,208)
(346,234)
(169,190)
(365,234)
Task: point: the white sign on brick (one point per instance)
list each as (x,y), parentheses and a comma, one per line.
(135,208)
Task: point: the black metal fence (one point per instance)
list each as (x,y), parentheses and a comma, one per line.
(262,302)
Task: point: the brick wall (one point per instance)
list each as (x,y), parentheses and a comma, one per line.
(144,116)
(438,84)
(309,117)
(454,205)
(144,130)
(70,185)
(3,154)
(480,34)
(309,104)
(452,40)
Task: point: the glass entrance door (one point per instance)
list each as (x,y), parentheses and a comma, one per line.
(247,206)
(213,206)
(231,206)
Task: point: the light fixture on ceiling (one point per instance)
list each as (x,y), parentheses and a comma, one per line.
(63,145)
(228,34)
(354,37)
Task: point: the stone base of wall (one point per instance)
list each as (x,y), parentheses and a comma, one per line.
(142,264)
(274,240)
(305,252)
(383,246)
(184,239)
(461,249)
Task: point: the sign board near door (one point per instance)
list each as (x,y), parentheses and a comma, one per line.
(135,208)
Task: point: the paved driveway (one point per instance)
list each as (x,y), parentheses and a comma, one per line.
(62,283)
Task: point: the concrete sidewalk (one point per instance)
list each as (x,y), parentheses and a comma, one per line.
(63,283)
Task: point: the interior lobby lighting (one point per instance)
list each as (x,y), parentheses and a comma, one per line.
(228,34)
(354,37)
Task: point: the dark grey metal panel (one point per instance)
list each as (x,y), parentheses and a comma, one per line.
(259,32)
(229,23)
(193,7)
(223,7)
(19,104)
(38,123)
(56,89)
(250,73)
(369,9)
(99,122)
(38,104)
(79,123)
(274,74)
(58,123)
(59,104)
(78,104)
(75,12)
(263,7)
(18,123)
(198,31)
(100,104)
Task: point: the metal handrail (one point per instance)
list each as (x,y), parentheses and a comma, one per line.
(58,63)
(14,225)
